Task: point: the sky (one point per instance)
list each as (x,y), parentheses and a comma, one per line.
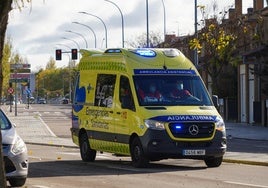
(41,27)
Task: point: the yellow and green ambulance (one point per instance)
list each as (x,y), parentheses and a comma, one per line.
(150,104)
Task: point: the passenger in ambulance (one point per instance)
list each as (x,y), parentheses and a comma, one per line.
(140,92)
(153,95)
(179,92)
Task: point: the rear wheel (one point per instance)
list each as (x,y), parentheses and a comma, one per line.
(138,157)
(213,161)
(87,154)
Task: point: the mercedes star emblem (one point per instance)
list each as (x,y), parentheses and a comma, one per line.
(193,130)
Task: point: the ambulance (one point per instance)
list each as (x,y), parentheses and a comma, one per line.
(149,104)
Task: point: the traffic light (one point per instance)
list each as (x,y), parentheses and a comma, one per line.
(58,54)
(74,54)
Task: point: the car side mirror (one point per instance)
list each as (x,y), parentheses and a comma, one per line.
(215,100)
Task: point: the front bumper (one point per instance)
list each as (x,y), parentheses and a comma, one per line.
(16,166)
(158,145)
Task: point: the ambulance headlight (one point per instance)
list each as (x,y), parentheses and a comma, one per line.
(220,125)
(156,125)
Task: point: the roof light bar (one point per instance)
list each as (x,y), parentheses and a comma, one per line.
(144,52)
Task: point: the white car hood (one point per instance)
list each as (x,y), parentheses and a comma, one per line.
(9,136)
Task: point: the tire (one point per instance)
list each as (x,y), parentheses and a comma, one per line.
(17,182)
(213,161)
(87,154)
(138,157)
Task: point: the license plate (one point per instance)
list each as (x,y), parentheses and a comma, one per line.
(194,152)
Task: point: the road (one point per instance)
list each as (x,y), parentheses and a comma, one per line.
(62,167)
(58,167)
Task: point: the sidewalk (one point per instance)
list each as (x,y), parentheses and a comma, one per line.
(34,131)
(248,132)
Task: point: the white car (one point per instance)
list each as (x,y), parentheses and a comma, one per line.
(14,153)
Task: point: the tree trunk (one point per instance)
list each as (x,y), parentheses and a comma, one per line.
(5,7)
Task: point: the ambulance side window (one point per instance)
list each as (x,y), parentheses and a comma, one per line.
(125,94)
(105,90)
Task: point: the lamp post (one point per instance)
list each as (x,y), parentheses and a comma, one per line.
(64,45)
(122,18)
(72,41)
(164,9)
(196,33)
(70,78)
(101,21)
(69,31)
(89,29)
(147,24)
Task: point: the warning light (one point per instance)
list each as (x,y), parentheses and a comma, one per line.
(145,52)
(74,54)
(58,54)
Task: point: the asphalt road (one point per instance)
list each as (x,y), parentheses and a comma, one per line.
(59,167)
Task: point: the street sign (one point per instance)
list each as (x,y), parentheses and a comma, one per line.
(20,70)
(20,66)
(10,90)
(18,80)
(20,75)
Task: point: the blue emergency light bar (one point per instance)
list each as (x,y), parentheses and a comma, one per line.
(144,52)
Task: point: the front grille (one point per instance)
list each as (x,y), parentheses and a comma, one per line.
(5,148)
(9,166)
(192,130)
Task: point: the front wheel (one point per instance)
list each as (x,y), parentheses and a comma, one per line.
(17,182)
(87,154)
(138,157)
(213,161)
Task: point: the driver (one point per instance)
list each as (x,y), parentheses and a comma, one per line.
(179,92)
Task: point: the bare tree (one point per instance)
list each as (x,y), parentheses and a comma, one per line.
(140,41)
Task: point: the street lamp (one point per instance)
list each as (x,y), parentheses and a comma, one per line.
(101,21)
(72,41)
(196,33)
(69,31)
(90,29)
(164,8)
(64,45)
(122,18)
(147,24)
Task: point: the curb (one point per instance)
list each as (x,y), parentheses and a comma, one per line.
(53,145)
(238,161)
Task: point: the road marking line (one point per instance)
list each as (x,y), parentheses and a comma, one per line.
(246,184)
(40,186)
(49,130)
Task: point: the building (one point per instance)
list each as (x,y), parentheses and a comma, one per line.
(251,103)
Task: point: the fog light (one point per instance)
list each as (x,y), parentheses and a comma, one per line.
(24,164)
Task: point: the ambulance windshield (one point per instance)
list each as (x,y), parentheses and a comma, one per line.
(171,90)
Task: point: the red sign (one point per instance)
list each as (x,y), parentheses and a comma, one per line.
(10,90)
(20,75)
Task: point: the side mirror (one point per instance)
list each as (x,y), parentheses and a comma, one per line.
(215,100)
